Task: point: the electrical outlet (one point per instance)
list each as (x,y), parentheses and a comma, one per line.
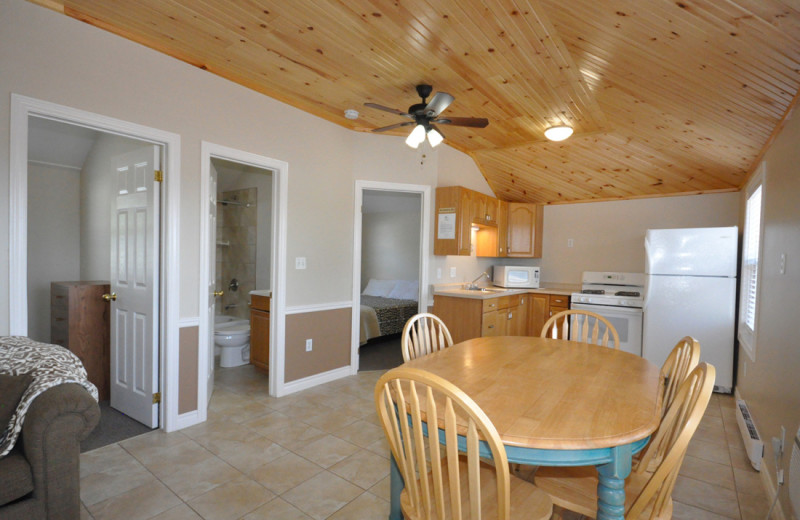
(452,272)
(570,242)
(782,264)
(438,273)
(300,262)
(309,344)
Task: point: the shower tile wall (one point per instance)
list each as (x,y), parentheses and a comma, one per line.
(236,250)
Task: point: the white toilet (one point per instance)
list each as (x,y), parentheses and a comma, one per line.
(232,341)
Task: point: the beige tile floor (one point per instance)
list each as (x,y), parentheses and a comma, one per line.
(321,454)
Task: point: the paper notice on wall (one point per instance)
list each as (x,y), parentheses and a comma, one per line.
(447,226)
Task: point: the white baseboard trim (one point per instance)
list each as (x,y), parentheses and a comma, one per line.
(302,309)
(317,379)
(187,419)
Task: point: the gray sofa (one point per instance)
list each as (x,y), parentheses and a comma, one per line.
(40,477)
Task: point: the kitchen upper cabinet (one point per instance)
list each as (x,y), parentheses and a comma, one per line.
(502,228)
(525,230)
(457,211)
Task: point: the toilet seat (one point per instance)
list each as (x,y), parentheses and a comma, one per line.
(233,330)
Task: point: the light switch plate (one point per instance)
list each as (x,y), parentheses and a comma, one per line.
(300,262)
(452,272)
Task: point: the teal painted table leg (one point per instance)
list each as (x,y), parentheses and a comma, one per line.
(611,485)
(396,480)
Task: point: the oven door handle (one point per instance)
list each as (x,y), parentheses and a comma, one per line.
(608,309)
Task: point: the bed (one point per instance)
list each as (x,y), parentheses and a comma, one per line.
(382,311)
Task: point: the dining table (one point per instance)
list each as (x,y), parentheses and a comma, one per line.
(556,403)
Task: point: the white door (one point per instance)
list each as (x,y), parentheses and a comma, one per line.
(134,281)
(212,272)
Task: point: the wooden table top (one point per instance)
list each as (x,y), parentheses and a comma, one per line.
(554,394)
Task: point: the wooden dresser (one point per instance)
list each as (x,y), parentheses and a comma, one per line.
(79,321)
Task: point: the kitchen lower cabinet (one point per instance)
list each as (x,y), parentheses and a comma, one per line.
(541,307)
(468,318)
(259,333)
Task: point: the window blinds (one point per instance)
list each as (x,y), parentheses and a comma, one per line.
(752,235)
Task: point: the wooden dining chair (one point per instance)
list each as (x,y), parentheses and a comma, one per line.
(423,334)
(648,494)
(682,360)
(442,482)
(581,322)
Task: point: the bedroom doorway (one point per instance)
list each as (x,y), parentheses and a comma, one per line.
(390,269)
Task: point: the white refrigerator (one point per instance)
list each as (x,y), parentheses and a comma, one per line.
(690,290)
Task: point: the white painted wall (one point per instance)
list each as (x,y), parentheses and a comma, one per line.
(54,247)
(609,236)
(390,236)
(97,184)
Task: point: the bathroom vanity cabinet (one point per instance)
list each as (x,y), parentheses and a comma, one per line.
(259,332)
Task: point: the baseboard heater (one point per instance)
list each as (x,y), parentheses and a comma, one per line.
(750,436)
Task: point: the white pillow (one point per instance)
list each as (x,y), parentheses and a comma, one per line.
(405,290)
(380,288)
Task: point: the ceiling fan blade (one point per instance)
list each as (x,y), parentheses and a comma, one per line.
(440,101)
(391,127)
(475,122)
(386,109)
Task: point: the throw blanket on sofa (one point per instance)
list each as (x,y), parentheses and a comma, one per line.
(49,365)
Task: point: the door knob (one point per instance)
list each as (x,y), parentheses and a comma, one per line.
(110,297)
(219,293)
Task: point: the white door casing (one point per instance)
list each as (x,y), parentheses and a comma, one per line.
(134,280)
(212,274)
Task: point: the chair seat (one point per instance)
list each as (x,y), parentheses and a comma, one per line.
(527,501)
(576,489)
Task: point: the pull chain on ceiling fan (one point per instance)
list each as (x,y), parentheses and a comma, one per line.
(425,115)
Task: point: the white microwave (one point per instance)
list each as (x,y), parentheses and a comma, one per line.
(525,277)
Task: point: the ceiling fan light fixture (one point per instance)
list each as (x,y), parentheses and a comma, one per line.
(434,137)
(558,132)
(416,136)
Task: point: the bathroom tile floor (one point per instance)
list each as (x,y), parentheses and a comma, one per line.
(321,454)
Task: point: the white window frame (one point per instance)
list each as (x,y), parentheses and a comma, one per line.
(747,336)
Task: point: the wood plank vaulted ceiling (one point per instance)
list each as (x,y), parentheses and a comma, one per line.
(666,97)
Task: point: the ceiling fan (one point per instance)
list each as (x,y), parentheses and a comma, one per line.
(425,115)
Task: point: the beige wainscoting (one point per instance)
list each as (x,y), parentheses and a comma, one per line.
(329,331)
(187,373)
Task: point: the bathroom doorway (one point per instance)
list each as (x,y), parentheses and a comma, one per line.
(242,227)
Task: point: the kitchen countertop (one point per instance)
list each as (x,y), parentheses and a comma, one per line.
(455,290)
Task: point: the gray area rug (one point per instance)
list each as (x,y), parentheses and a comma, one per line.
(114,426)
(380,353)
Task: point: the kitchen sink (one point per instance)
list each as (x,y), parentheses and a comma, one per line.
(484,289)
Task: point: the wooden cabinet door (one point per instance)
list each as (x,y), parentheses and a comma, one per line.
(524,230)
(538,312)
(477,207)
(494,323)
(521,317)
(259,339)
(502,228)
(558,303)
(491,212)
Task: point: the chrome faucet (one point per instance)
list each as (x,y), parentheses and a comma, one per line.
(474,283)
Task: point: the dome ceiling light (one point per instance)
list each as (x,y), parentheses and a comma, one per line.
(558,132)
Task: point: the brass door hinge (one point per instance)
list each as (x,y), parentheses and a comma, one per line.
(156,397)
(159,176)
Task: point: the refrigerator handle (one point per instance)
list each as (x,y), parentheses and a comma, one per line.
(646,291)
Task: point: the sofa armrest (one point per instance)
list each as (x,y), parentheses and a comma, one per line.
(55,424)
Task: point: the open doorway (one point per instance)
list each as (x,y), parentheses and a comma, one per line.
(390,274)
(93,270)
(243,271)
